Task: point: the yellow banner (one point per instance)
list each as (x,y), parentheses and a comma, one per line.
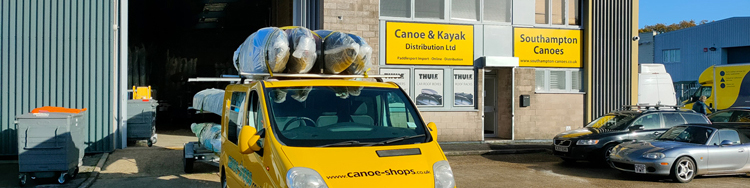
(548,47)
(428,44)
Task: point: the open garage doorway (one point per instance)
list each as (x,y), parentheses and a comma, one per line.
(170,41)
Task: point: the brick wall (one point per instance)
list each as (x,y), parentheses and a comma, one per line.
(548,114)
(359,17)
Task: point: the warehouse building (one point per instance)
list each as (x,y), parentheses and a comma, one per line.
(479,69)
(686,53)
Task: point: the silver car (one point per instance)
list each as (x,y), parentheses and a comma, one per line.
(686,151)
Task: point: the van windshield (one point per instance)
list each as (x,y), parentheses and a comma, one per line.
(343,116)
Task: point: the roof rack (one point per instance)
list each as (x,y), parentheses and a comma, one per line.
(244,77)
(649,107)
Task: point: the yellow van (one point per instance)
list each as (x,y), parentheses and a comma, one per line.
(327,133)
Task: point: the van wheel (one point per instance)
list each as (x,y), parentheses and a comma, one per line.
(223,178)
(683,170)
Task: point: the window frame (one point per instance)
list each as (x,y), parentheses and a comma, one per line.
(671,55)
(565,15)
(568,81)
(661,120)
(448,15)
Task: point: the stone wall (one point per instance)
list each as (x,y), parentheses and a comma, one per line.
(548,114)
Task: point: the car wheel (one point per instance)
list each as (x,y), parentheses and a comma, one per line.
(604,154)
(683,170)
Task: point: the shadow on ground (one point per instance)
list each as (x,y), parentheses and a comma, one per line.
(599,170)
(157,166)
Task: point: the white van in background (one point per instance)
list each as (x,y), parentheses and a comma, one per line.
(655,85)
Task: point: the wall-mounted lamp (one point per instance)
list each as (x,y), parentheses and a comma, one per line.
(712,48)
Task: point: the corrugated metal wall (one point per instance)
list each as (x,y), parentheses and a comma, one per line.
(611,55)
(731,32)
(57,53)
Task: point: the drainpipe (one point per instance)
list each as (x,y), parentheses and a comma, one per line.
(513,104)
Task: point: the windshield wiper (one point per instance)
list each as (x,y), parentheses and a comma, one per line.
(346,143)
(397,139)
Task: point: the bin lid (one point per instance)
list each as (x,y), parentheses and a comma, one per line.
(48,109)
(51,115)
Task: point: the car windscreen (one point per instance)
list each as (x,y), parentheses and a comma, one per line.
(615,122)
(689,134)
(343,116)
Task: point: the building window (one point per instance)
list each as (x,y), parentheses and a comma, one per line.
(542,8)
(556,12)
(497,10)
(558,80)
(395,8)
(573,12)
(429,9)
(671,56)
(465,10)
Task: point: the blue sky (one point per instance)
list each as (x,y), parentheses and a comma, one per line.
(674,11)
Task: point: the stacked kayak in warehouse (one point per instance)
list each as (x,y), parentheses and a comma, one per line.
(51,143)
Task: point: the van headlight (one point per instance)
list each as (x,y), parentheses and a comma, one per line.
(654,155)
(301,177)
(587,142)
(443,175)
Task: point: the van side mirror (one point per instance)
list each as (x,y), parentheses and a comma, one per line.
(433,130)
(726,143)
(693,99)
(248,141)
(636,127)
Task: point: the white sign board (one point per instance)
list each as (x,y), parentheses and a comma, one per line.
(404,81)
(428,87)
(463,88)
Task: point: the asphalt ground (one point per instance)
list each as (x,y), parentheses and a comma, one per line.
(544,170)
(9,174)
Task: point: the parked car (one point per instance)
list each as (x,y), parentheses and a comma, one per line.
(686,151)
(594,141)
(734,114)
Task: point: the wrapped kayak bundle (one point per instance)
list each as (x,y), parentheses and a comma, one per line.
(339,51)
(209,135)
(209,100)
(266,49)
(304,46)
(362,62)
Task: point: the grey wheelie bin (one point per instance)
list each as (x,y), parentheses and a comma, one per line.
(141,120)
(50,145)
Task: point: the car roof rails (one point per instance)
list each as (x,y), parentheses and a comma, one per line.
(249,77)
(649,107)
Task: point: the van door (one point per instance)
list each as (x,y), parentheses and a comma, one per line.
(254,161)
(232,119)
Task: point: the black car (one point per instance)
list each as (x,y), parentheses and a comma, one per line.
(731,115)
(594,141)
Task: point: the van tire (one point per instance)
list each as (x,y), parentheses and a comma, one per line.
(223,178)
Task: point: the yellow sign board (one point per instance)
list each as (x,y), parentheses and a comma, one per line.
(428,44)
(536,47)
